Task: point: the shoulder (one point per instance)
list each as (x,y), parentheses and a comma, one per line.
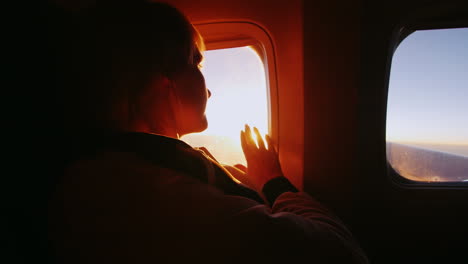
(121,179)
(117,173)
(126,174)
(124,186)
(121,166)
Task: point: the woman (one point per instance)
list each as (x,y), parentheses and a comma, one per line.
(133,192)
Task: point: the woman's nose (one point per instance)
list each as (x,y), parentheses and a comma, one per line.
(209,93)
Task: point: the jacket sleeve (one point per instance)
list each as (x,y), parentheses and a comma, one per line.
(302,214)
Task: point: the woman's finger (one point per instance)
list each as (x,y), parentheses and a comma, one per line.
(248,137)
(271,147)
(261,144)
(247,148)
(241,167)
(243,142)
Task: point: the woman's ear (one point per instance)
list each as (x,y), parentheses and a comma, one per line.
(156,107)
(154,97)
(158,88)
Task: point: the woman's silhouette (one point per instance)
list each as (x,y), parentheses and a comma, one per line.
(132,192)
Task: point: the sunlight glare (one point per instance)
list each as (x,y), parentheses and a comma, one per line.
(236,79)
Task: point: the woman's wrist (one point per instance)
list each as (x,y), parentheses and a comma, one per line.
(277,186)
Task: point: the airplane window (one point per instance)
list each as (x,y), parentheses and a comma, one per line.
(236,79)
(427,112)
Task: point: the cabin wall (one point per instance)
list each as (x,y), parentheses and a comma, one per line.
(331,72)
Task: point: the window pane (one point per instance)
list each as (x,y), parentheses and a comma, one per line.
(236,79)
(427,114)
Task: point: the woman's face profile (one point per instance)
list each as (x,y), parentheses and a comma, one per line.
(192,96)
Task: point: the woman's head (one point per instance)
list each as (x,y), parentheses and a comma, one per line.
(134,66)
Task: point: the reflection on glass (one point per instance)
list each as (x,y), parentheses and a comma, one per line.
(427,113)
(236,79)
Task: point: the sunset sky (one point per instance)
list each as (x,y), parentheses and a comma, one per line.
(428,90)
(236,79)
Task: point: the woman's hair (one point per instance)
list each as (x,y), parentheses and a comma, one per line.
(109,55)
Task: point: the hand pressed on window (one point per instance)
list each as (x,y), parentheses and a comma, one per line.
(262,162)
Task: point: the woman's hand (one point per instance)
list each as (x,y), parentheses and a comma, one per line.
(239,175)
(262,163)
(238,171)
